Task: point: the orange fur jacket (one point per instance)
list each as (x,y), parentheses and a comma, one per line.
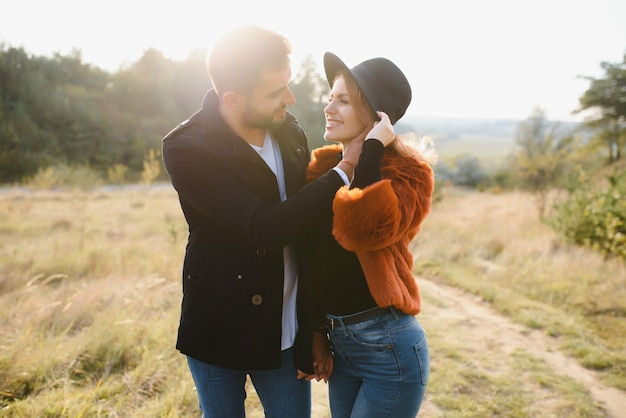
(378,223)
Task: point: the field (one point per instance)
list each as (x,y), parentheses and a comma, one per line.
(519,324)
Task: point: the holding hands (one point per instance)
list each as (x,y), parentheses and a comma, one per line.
(323,362)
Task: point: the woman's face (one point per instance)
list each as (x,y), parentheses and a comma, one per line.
(342,123)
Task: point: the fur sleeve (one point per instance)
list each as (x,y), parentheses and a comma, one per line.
(387,211)
(322,160)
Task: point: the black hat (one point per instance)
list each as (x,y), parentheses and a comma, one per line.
(382,83)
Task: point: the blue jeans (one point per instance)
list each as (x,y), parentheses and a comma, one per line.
(381,367)
(222,393)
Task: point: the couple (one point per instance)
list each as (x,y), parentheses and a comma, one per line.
(297,264)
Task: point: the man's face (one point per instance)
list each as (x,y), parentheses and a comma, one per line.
(266,107)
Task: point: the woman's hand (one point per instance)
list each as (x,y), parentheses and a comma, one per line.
(382,130)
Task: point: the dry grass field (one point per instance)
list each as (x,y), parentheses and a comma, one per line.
(519,324)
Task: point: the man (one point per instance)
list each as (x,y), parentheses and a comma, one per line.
(238,165)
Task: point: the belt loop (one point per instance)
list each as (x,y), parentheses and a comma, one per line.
(332,324)
(394,311)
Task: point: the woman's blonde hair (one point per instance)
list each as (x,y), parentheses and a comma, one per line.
(408,144)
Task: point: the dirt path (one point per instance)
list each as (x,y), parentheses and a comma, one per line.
(490,332)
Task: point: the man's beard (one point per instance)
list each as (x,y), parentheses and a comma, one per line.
(255,120)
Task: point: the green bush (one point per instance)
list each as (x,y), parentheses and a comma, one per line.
(595,217)
(151,166)
(117,173)
(61,176)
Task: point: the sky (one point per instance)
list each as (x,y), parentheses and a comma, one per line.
(482,59)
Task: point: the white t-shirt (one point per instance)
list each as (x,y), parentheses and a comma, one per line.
(270,152)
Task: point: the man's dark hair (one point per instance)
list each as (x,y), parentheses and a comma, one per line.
(240,56)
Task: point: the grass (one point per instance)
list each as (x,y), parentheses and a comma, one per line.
(492,245)
(90,297)
(90,294)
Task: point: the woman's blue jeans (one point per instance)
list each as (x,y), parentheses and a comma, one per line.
(222,393)
(381,367)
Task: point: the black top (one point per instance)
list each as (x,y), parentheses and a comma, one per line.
(338,280)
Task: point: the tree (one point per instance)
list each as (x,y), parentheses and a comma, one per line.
(48,111)
(608,96)
(311,91)
(469,172)
(543,155)
(60,111)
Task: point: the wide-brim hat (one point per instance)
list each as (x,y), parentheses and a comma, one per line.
(382,83)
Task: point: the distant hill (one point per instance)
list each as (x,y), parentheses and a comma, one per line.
(455,127)
(489,140)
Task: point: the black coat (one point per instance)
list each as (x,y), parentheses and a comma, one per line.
(233,267)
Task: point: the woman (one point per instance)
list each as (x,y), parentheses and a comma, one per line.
(359,262)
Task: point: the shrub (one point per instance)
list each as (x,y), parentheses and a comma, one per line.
(594,217)
(64,176)
(117,173)
(151,167)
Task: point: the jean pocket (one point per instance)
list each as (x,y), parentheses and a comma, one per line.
(423,358)
(374,338)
